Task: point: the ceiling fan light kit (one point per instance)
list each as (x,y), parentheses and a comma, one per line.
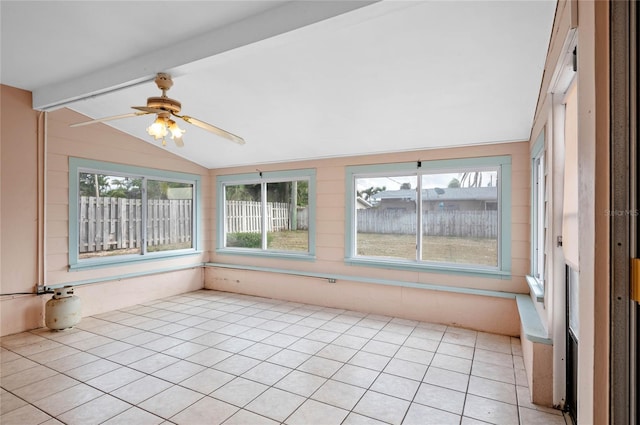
(162,126)
(164,108)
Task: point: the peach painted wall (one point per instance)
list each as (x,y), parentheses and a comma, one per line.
(483,313)
(538,360)
(104,143)
(497,315)
(19,214)
(102,297)
(552,311)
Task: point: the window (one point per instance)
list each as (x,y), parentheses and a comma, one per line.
(270,213)
(538,216)
(121,214)
(449,216)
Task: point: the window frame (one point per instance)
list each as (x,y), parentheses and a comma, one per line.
(79,165)
(539,219)
(264,178)
(502,163)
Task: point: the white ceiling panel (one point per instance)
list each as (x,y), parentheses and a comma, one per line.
(298,80)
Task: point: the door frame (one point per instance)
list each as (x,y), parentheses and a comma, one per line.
(623,223)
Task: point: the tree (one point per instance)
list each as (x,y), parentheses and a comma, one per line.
(303,193)
(471,178)
(93,184)
(368,193)
(243,192)
(279,192)
(454,183)
(157,189)
(126,187)
(276,192)
(405,186)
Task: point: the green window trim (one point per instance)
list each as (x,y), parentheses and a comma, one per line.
(536,284)
(502,163)
(78,165)
(266,178)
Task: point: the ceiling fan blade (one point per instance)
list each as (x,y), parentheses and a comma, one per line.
(115,117)
(178,141)
(149,110)
(220,132)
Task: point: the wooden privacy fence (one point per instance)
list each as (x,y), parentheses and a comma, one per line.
(116,223)
(246,217)
(303,218)
(469,224)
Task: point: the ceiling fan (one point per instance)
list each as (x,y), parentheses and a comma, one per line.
(165,108)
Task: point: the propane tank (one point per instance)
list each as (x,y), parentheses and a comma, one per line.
(62,311)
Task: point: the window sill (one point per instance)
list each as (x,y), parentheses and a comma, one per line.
(248,252)
(532,325)
(431,268)
(536,288)
(126,260)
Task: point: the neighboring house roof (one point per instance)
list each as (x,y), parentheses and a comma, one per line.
(445,194)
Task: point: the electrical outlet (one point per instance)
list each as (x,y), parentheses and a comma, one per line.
(332,280)
(40,290)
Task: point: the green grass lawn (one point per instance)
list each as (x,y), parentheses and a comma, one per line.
(295,240)
(129,251)
(434,248)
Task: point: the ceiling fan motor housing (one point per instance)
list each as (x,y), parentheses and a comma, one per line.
(164,103)
(164,83)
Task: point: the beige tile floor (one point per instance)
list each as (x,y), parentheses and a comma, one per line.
(209,357)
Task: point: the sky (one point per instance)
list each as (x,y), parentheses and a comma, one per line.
(431,180)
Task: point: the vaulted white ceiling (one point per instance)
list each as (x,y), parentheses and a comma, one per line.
(297,79)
